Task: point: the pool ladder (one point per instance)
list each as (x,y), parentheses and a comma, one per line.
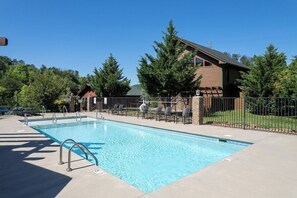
(54,118)
(64,110)
(26,121)
(81,147)
(43,111)
(77,115)
(101,116)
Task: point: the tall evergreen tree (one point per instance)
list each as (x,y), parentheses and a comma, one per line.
(171,71)
(240,58)
(263,74)
(287,85)
(246,60)
(109,80)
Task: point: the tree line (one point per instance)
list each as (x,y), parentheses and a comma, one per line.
(270,76)
(25,85)
(168,73)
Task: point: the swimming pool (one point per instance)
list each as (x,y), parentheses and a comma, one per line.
(146,158)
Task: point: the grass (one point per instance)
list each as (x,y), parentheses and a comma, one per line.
(265,122)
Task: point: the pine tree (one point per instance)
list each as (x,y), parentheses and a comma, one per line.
(170,72)
(262,77)
(261,80)
(287,86)
(109,80)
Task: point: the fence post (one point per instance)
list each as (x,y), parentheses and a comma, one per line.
(197,110)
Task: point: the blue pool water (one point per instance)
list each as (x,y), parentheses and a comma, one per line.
(146,158)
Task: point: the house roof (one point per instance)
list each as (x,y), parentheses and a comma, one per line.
(215,54)
(84,89)
(135,91)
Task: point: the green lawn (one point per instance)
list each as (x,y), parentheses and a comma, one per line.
(265,122)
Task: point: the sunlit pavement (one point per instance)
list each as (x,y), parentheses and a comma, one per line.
(29,165)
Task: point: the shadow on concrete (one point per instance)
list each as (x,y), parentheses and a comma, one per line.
(20,178)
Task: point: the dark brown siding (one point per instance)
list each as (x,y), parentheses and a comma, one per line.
(217,76)
(211,75)
(231,75)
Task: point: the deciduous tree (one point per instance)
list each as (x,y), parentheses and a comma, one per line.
(46,88)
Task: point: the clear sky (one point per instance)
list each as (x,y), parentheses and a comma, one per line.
(80,34)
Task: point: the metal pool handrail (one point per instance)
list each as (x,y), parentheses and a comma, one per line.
(101,116)
(26,119)
(43,111)
(76,115)
(64,110)
(79,145)
(61,149)
(82,147)
(54,118)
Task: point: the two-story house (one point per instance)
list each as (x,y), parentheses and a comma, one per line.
(219,71)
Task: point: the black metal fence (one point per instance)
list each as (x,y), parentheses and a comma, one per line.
(269,114)
(132,104)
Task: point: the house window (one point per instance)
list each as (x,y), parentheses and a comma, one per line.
(198,61)
(206,63)
(201,62)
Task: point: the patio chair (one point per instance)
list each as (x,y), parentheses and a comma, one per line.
(168,114)
(143,109)
(185,115)
(121,110)
(115,108)
(158,113)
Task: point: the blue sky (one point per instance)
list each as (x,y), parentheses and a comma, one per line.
(79,35)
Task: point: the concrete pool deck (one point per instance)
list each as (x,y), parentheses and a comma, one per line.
(29,166)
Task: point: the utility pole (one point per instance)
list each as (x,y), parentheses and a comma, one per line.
(3,41)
